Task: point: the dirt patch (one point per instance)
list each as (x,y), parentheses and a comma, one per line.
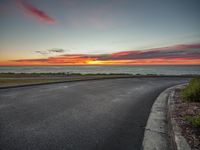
(182,109)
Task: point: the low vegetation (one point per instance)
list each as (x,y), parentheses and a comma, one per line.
(27,75)
(21,81)
(191,92)
(59,74)
(15,79)
(194,120)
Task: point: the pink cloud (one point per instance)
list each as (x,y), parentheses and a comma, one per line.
(36,13)
(178,47)
(177,54)
(184,46)
(188,51)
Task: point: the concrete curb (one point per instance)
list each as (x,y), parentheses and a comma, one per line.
(156,131)
(160,131)
(177,140)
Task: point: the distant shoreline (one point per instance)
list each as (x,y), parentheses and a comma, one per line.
(63,74)
(99,65)
(126,69)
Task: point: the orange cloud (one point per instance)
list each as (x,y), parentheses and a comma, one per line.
(178,54)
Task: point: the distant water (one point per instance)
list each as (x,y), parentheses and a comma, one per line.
(165,70)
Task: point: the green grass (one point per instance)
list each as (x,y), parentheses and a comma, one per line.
(194,120)
(60,74)
(191,92)
(14,79)
(22,75)
(14,82)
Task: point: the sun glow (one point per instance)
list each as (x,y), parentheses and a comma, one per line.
(172,55)
(95,62)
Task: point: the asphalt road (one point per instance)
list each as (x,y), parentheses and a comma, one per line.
(91,115)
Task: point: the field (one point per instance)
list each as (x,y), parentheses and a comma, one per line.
(18,79)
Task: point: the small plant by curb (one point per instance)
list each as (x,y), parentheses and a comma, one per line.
(194,120)
(185,116)
(192,91)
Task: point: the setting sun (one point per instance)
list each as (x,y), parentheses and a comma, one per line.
(95,62)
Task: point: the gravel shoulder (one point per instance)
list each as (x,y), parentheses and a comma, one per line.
(182,109)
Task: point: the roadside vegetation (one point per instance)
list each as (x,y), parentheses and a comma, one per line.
(191,95)
(194,120)
(16,79)
(59,74)
(186,112)
(191,92)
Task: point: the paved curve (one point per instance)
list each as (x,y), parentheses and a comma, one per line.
(91,115)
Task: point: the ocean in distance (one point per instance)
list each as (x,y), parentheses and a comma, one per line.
(144,70)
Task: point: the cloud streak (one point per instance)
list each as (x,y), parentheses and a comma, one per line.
(56,50)
(178,54)
(178,51)
(35,12)
(51,51)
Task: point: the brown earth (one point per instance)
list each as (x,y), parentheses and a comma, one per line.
(182,109)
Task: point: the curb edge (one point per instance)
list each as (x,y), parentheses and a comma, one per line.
(160,132)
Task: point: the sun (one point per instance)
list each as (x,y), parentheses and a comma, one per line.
(94,62)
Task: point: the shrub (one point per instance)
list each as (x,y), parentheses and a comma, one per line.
(192,91)
(194,120)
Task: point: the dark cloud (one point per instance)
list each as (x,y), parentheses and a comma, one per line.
(42,52)
(177,51)
(56,50)
(50,51)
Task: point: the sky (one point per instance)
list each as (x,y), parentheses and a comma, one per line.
(99,32)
